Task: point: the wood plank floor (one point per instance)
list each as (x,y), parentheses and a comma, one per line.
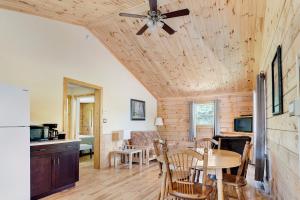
(123,184)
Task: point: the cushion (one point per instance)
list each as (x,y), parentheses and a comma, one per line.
(144,138)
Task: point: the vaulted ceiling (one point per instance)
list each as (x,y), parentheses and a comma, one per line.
(215,49)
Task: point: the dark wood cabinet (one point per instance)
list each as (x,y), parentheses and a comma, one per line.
(65,170)
(41,179)
(54,167)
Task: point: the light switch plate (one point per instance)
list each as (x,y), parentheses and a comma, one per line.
(294,108)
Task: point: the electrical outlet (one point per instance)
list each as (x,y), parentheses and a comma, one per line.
(294,107)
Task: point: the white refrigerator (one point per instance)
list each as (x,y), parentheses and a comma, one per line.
(14,144)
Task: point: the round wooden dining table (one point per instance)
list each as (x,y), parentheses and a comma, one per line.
(217,160)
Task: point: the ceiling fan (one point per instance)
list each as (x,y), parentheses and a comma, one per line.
(155,18)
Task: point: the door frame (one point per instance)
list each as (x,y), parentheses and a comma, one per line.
(298,96)
(97,121)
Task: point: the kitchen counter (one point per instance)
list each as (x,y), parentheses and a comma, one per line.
(48,142)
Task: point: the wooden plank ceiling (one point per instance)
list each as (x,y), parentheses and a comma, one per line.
(214,50)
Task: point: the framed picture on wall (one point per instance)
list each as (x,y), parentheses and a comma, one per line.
(277,93)
(138,111)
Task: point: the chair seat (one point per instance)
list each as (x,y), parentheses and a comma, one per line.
(198,193)
(230,179)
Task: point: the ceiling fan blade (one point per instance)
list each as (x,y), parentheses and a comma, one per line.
(176,13)
(142,30)
(153,5)
(132,15)
(168,29)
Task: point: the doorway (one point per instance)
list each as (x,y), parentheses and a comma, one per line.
(82,106)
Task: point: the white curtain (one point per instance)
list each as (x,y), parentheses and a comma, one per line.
(192,118)
(216,117)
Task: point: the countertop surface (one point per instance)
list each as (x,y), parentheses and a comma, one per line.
(48,142)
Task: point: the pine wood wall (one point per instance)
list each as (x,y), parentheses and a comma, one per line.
(86,118)
(175,112)
(282,22)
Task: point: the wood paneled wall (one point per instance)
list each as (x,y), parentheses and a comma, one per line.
(282,22)
(204,131)
(175,112)
(86,118)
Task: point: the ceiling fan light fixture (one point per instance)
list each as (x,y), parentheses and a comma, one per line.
(151,25)
(160,24)
(155,18)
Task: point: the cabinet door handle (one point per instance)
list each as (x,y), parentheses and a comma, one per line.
(69,146)
(58,161)
(54,162)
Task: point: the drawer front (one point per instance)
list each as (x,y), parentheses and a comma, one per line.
(69,146)
(54,148)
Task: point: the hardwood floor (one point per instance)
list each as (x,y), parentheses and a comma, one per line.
(124,184)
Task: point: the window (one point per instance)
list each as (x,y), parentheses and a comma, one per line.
(205,114)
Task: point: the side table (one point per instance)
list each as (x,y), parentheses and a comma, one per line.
(129,152)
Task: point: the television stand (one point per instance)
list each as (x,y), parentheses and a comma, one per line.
(237,134)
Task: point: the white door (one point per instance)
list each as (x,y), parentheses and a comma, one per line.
(15,163)
(14,107)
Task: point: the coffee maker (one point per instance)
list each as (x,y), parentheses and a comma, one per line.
(52,130)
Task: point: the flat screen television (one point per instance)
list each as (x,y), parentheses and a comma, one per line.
(243,124)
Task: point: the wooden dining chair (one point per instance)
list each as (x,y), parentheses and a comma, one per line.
(239,181)
(235,144)
(208,143)
(180,167)
(157,144)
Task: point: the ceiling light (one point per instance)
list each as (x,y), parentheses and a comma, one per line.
(160,24)
(150,24)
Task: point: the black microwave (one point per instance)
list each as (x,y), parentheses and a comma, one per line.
(38,133)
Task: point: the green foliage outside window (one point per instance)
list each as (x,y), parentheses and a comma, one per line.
(205,114)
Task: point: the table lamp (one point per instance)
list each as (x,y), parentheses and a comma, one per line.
(116,136)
